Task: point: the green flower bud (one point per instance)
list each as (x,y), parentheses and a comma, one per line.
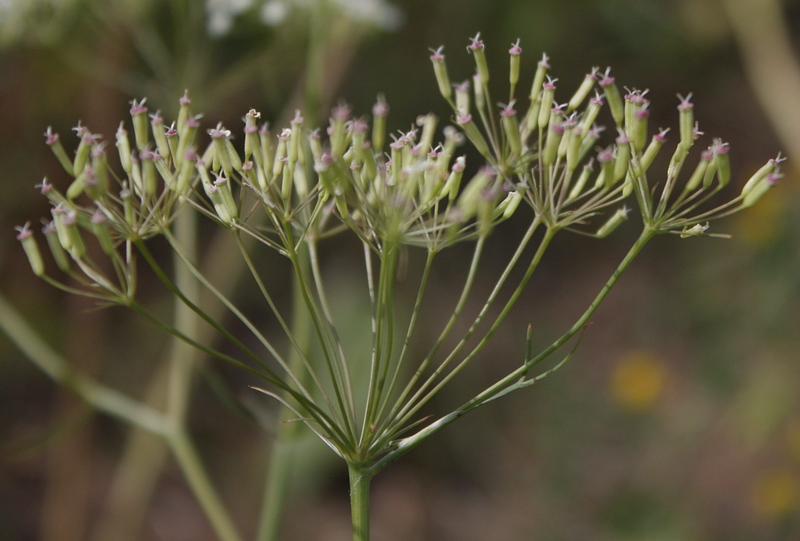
(54,142)
(471,197)
(66,224)
(56,249)
(157,125)
(770,167)
(686,120)
(652,149)
(699,171)
(510,204)
(758,189)
(513,73)
(101,231)
(572,144)
(606,159)
(428,123)
(548,102)
(124,148)
(251,141)
(480,94)
(722,162)
(453,182)
(140,129)
(542,68)
(221,153)
(149,178)
(31,248)
(508,117)
(440,70)
(84,149)
(623,157)
(474,134)
(551,144)
(613,97)
(184,114)
(379,113)
(590,114)
(583,91)
(694,231)
(477,49)
(613,222)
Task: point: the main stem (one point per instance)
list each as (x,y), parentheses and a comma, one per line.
(360,479)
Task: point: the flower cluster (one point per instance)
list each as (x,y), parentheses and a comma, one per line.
(303,184)
(543,152)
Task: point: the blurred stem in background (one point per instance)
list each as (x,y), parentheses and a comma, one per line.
(770,63)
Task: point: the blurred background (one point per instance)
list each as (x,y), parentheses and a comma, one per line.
(678,417)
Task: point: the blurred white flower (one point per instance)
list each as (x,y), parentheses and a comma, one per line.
(221,14)
(373,12)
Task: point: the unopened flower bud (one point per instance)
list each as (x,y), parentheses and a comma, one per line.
(613,222)
(623,157)
(54,142)
(700,171)
(453,182)
(652,149)
(140,129)
(548,101)
(613,97)
(184,113)
(590,114)
(577,188)
(694,231)
(477,49)
(761,187)
(508,117)
(379,113)
(513,73)
(100,229)
(157,125)
(554,133)
(440,70)
(542,67)
(31,248)
(251,134)
(474,134)
(771,166)
(56,249)
(686,120)
(462,98)
(583,91)
(722,162)
(470,198)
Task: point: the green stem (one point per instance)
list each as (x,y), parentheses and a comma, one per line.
(283,452)
(99,396)
(405,445)
(360,478)
(189,461)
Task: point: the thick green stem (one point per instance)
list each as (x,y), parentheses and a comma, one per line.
(360,479)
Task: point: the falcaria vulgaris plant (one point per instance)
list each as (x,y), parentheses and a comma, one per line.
(288,191)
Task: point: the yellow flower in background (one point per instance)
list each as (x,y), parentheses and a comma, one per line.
(774,494)
(638,380)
